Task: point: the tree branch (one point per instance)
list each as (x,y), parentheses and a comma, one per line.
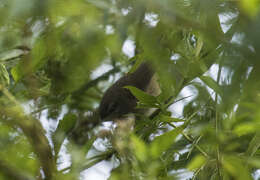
(34,131)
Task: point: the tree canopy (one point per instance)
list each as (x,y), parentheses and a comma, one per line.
(57,58)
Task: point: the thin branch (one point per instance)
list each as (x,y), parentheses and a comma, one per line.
(96,81)
(196,142)
(167,104)
(191,141)
(93,161)
(46,107)
(217,122)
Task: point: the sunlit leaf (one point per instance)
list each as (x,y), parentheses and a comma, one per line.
(233,165)
(250,7)
(142,96)
(196,163)
(245,128)
(139,148)
(4,76)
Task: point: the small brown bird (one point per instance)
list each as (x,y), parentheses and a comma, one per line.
(118,101)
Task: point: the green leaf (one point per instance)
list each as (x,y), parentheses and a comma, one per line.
(89,144)
(4,76)
(236,168)
(31,62)
(145,106)
(253,145)
(250,7)
(196,163)
(163,142)
(64,127)
(245,128)
(212,84)
(15,53)
(142,96)
(139,148)
(15,73)
(198,47)
(169,119)
(254,162)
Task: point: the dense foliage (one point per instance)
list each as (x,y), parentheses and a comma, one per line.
(58,57)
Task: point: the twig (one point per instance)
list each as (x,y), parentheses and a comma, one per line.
(167,103)
(94,160)
(96,81)
(191,141)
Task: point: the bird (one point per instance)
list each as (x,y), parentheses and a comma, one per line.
(118,101)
